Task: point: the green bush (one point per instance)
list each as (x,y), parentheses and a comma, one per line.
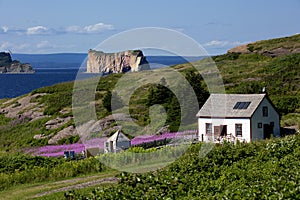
(69,140)
(260,170)
(286,104)
(20,169)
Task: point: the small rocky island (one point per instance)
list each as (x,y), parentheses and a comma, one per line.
(7,65)
(121,62)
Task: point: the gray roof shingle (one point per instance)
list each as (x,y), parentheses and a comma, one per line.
(221,105)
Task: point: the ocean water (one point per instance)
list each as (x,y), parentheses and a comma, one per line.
(51,69)
(13,85)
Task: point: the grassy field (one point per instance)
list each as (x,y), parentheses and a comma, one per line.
(37,190)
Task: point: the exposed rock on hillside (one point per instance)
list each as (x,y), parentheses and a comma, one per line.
(280,52)
(272,48)
(65,133)
(57,122)
(107,63)
(239,49)
(23,107)
(7,65)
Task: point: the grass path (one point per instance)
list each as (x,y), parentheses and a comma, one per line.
(32,191)
(79,186)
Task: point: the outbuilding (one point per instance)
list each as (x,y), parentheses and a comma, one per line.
(117,142)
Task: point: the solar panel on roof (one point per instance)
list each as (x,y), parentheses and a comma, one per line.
(241,105)
(236,105)
(247,104)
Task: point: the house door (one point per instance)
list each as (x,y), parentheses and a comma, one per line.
(111,146)
(268,131)
(220,130)
(223,129)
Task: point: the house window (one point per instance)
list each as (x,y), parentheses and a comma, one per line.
(259,125)
(265,111)
(238,130)
(208,128)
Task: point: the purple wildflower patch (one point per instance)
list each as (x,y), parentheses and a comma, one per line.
(58,150)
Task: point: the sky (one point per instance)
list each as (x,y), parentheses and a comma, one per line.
(44,26)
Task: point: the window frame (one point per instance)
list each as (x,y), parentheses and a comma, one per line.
(265,111)
(239,133)
(259,125)
(208,128)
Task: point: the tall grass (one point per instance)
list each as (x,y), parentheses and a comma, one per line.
(22,169)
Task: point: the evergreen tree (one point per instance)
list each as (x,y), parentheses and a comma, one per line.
(107,101)
(198,86)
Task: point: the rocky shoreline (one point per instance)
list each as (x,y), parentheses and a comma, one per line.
(9,66)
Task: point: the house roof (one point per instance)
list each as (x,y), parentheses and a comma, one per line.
(118,136)
(231,105)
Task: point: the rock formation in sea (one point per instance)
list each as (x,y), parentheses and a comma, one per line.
(108,63)
(7,65)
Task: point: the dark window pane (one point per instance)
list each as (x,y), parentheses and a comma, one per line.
(265,111)
(236,105)
(259,125)
(238,130)
(208,128)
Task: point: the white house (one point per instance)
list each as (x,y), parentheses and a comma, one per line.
(117,142)
(243,117)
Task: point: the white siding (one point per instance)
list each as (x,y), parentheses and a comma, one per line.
(230,126)
(257,133)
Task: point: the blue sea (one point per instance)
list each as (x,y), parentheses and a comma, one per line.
(56,68)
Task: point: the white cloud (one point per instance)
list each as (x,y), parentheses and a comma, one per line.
(43,30)
(97,28)
(91,29)
(5,29)
(39,30)
(5,46)
(222,43)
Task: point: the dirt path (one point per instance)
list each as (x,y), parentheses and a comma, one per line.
(79,186)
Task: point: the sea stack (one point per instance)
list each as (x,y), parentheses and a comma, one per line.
(120,62)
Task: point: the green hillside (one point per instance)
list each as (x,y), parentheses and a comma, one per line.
(266,169)
(290,43)
(241,73)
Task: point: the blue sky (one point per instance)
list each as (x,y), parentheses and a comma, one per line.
(43,26)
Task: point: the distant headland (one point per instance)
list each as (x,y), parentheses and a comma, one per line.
(7,65)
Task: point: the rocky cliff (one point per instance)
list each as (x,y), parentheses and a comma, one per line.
(108,63)
(7,65)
